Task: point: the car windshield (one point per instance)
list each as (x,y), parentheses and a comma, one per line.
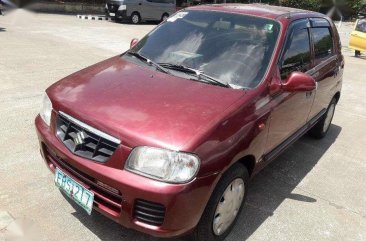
(233,48)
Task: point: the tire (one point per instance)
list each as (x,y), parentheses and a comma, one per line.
(235,177)
(321,128)
(357,53)
(135,18)
(164,17)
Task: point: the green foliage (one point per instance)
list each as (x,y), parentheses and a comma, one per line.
(305,4)
(355,5)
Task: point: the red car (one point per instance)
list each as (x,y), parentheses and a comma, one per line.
(165,137)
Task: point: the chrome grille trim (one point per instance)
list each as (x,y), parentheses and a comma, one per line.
(91,129)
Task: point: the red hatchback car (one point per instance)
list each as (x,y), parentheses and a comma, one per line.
(165,137)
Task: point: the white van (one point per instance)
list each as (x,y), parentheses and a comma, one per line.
(140,10)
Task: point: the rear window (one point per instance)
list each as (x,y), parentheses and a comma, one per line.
(323,42)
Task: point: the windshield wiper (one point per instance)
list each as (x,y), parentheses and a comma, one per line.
(200,74)
(148,61)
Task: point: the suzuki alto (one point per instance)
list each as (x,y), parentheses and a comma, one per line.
(165,137)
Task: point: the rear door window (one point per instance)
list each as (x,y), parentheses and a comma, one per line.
(323,43)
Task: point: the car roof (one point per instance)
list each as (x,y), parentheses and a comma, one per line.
(257,9)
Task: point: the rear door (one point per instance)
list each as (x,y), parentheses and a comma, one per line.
(358,36)
(326,64)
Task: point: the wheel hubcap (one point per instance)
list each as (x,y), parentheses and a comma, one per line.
(135,19)
(328,118)
(165,18)
(228,207)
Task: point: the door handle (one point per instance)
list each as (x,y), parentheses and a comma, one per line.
(140,3)
(336,71)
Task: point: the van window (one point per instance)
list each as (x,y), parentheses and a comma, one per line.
(162,1)
(297,55)
(323,42)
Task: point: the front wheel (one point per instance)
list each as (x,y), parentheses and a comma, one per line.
(135,18)
(357,53)
(224,205)
(321,128)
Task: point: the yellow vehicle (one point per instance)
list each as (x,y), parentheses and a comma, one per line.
(357,40)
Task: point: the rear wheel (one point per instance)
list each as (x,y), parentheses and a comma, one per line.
(135,18)
(224,205)
(164,17)
(321,128)
(357,53)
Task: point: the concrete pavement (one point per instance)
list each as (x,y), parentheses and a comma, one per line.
(316,190)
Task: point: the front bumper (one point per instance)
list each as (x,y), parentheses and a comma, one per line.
(119,14)
(184,203)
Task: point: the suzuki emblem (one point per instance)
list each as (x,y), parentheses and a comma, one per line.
(79,139)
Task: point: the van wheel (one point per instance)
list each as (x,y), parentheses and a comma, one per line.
(135,18)
(357,53)
(224,205)
(164,17)
(321,128)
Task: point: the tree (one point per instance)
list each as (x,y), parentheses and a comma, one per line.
(312,5)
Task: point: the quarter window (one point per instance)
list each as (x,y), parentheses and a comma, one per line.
(323,42)
(297,55)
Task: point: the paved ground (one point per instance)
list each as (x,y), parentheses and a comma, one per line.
(316,190)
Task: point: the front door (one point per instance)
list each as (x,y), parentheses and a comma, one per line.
(291,110)
(151,9)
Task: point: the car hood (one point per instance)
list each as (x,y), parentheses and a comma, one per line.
(141,106)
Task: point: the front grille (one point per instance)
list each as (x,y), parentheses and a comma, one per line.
(112,7)
(149,212)
(84,140)
(105,197)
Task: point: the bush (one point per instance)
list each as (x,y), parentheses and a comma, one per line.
(313,5)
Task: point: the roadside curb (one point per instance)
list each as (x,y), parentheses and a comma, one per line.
(94,17)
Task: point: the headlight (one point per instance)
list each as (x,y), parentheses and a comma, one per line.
(163,165)
(122,7)
(46,110)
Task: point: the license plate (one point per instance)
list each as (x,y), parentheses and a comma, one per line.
(82,196)
(112,14)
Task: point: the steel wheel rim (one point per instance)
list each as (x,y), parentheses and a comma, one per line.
(135,18)
(328,118)
(165,17)
(228,207)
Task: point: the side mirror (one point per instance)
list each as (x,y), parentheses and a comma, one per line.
(299,81)
(134,41)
